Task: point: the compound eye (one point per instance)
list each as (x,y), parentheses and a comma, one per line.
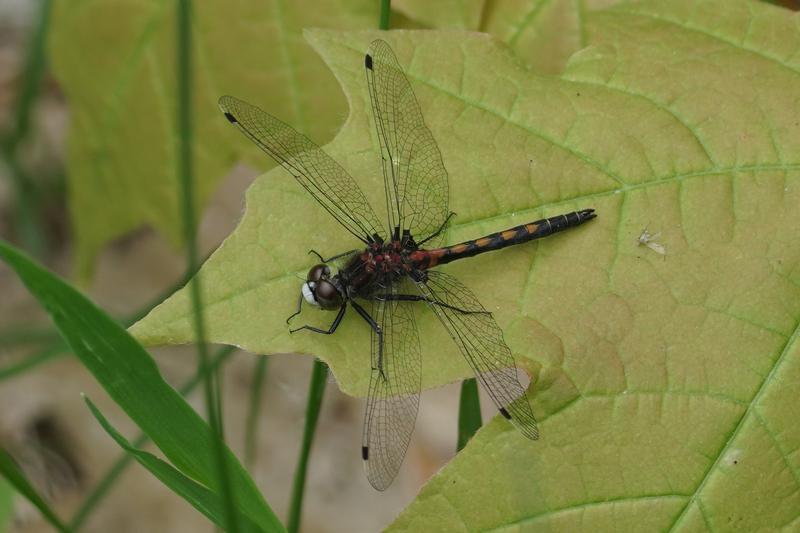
(318,272)
(327,296)
(308,292)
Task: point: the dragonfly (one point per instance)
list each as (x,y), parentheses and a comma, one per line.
(391,272)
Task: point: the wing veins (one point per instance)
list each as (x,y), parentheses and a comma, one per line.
(481,343)
(301,157)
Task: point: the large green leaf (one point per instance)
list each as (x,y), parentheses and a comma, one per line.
(678,405)
(115,62)
(667,385)
(543,33)
(251,282)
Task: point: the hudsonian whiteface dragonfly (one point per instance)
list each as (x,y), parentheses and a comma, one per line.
(391,272)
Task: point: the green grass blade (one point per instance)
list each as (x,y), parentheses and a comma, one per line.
(316,389)
(254,410)
(131,378)
(57,348)
(109,478)
(6,504)
(469,412)
(184,128)
(10,470)
(202,499)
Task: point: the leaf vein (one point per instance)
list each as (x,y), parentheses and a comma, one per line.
(749,410)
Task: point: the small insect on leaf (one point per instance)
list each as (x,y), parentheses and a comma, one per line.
(648,239)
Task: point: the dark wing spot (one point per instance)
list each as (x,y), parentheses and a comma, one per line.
(505,413)
(365,449)
(368,61)
(230,118)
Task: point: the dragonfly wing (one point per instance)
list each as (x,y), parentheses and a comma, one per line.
(481,342)
(414,175)
(317,172)
(395,382)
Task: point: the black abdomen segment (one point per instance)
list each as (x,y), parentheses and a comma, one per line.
(509,237)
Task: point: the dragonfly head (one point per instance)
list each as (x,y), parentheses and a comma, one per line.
(319,290)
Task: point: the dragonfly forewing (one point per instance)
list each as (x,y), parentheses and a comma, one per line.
(415,178)
(319,174)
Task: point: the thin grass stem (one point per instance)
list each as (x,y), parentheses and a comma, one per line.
(254,411)
(185,173)
(316,389)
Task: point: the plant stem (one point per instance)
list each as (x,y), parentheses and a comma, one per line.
(47,354)
(107,481)
(386,9)
(469,412)
(316,389)
(23,335)
(11,471)
(254,409)
(26,211)
(184,128)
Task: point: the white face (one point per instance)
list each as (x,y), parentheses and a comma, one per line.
(308,292)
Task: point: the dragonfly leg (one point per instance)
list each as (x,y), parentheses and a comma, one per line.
(331,329)
(378,331)
(299,307)
(419,298)
(333,258)
(438,231)
(321,260)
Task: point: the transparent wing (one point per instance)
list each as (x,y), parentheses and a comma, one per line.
(481,342)
(393,398)
(414,175)
(317,172)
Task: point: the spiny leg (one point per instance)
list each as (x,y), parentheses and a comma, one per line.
(331,329)
(335,257)
(438,231)
(418,298)
(378,331)
(299,308)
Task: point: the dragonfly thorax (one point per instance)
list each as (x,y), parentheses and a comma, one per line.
(388,258)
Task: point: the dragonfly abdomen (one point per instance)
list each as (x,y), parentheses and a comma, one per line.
(495,241)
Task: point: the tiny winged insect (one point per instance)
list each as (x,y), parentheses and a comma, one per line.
(392,271)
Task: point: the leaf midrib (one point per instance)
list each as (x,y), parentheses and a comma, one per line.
(751,407)
(685,26)
(582,505)
(542,207)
